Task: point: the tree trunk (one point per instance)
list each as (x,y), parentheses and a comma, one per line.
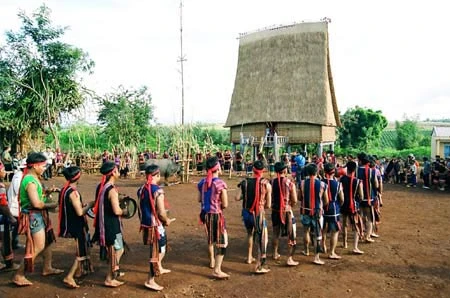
(54,134)
(24,144)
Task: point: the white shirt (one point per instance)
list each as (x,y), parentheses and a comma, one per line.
(50,156)
(13,193)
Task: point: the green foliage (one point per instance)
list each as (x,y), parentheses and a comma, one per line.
(38,75)
(389,152)
(126,116)
(360,128)
(388,139)
(408,134)
(83,137)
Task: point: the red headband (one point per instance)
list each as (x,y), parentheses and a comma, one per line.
(37,163)
(209,174)
(76,177)
(150,176)
(258,172)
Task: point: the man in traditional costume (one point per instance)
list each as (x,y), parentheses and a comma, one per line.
(213,197)
(332,223)
(73,224)
(153,217)
(255,193)
(284,198)
(107,222)
(34,220)
(314,197)
(353,192)
(370,187)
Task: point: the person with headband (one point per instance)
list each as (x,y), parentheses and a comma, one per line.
(284,197)
(73,224)
(34,221)
(9,221)
(332,223)
(107,222)
(353,192)
(213,197)
(255,193)
(153,217)
(370,186)
(313,198)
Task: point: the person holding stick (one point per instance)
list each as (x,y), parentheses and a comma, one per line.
(213,197)
(256,196)
(313,198)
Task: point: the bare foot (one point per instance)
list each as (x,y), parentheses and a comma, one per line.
(324,249)
(221,275)
(153,286)
(291,262)
(345,245)
(357,251)
(375,235)
(334,257)
(114,283)
(262,270)
(318,262)
(164,271)
(212,263)
(51,271)
(369,240)
(21,281)
(70,283)
(250,261)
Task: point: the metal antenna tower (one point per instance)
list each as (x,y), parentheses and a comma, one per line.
(181,59)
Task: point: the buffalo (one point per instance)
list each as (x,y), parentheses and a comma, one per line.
(167,167)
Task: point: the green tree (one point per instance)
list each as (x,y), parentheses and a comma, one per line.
(360,128)
(126,116)
(408,134)
(39,75)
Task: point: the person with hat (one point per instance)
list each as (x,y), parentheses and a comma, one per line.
(73,224)
(8,221)
(213,197)
(107,222)
(34,220)
(284,198)
(332,222)
(256,196)
(313,198)
(153,217)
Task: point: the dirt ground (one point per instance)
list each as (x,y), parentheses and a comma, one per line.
(411,259)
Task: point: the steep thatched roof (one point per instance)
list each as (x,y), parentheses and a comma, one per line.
(284,75)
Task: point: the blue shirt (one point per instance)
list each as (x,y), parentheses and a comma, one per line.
(300,160)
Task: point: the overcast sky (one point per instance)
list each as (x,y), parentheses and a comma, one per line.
(392,56)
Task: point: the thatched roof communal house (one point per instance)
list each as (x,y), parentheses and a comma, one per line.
(284,89)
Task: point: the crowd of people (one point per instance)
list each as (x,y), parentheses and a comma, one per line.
(329,202)
(329,195)
(24,209)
